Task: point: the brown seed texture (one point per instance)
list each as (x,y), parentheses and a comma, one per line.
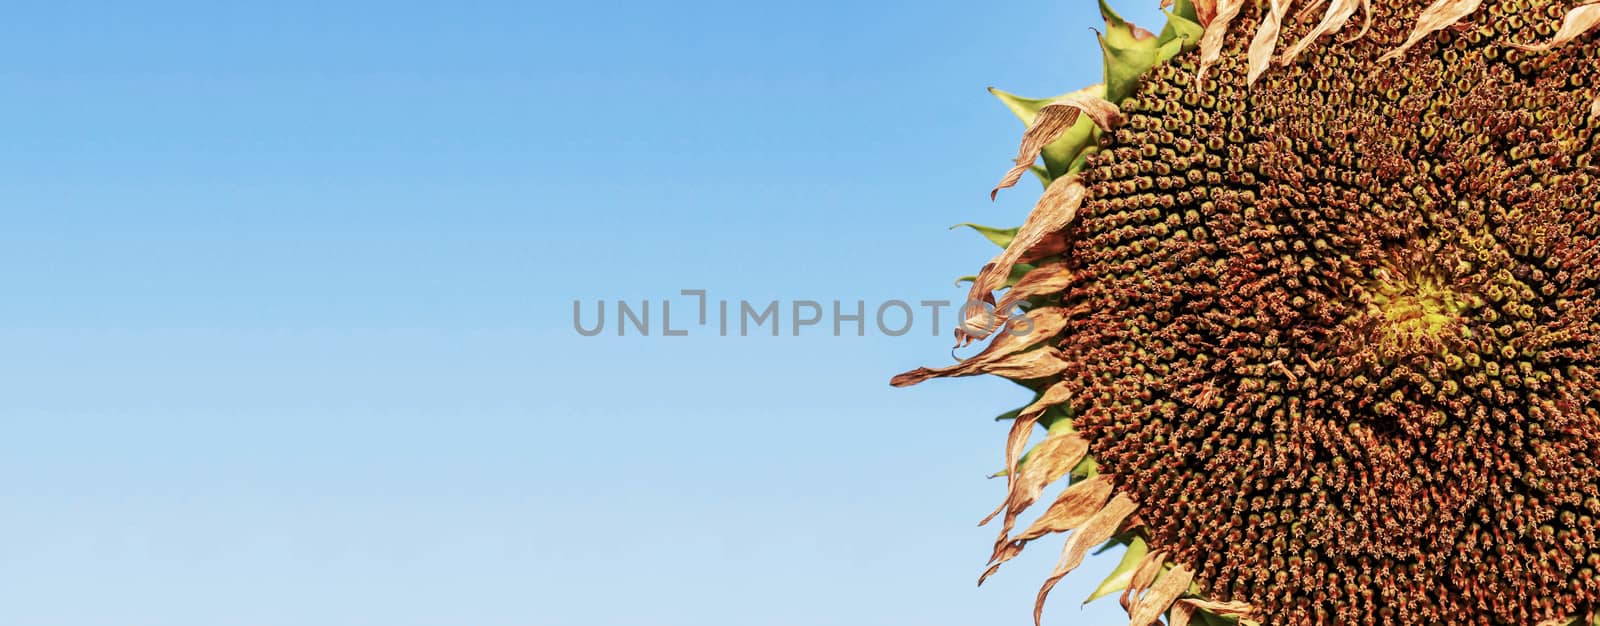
(1336,331)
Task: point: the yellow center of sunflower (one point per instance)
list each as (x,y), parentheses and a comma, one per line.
(1416,307)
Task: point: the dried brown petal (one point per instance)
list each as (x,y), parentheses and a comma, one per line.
(1339,12)
(1182,614)
(1097,530)
(1205,10)
(1054,119)
(1055,209)
(1050,460)
(1266,39)
(1183,610)
(1043,280)
(1071,509)
(1439,15)
(1005,354)
(1578,22)
(1216,31)
(1161,596)
(1145,574)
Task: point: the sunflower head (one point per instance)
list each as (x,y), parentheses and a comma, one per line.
(1316,330)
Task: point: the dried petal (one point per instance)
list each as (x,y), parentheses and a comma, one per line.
(1339,12)
(1132,556)
(1055,209)
(1097,530)
(1266,39)
(1045,279)
(1182,613)
(1054,119)
(1048,462)
(1439,15)
(1205,10)
(1216,30)
(1071,509)
(1004,354)
(1145,574)
(1166,591)
(1578,22)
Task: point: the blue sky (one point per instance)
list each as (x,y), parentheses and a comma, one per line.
(289,295)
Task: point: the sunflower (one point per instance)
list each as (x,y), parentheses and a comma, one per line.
(1311,313)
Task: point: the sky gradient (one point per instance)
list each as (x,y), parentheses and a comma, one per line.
(290,292)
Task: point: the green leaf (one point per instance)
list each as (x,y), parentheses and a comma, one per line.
(1182,29)
(1123,574)
(1171,49)
(1185,9)
(1060,154)
(1000,236)
(1129,53)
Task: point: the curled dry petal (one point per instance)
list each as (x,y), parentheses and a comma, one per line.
(1216,31)
(1048,462)
(1594,108)
(1161,596)
(1339,12)
(1054,119)
(1094,532)
(1055,209)
(1143,576)
(1182,614)
(1007,353)
(1021,429)
(1266,39)
(1031,365)
(1072,509)
(1578,22)
(1205,10)
(1439,15)
(1043,280)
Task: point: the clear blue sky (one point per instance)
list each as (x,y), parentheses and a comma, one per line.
(288,292)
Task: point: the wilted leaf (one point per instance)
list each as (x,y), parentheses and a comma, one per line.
(1338,13)
(1123,573)
(999,236)
(1439,15)
(1266,40)
(1099,528)
(1149,608)
(1578,22)
(1216,30)
(1051,122)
